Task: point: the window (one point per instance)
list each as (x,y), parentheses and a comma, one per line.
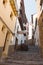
(11,15)
(4,2)
(3,28)
(41,4)
(21,3)
(20,11)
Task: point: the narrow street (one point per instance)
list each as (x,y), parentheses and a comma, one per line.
(21,32)
(30,57)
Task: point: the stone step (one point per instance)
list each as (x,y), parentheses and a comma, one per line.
(22,63)
(23,58)
(1,50)
(26,56)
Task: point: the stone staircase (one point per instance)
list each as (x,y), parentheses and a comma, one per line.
(30,57)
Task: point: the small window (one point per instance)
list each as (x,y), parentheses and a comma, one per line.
(11,15)
(4,2)
(20,11)
(3,28)
(21,3)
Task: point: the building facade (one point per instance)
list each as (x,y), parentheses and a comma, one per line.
(12,18)
(8,18)
(36,30)
(22,16)
(40,22)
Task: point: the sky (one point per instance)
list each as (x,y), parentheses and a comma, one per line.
(30,8)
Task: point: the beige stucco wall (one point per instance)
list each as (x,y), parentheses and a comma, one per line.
(5,11)
(2,34)
(5,38)
(8,42)
(8,23)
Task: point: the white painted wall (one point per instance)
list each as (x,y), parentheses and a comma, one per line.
(30,30)
(18,3)
(36,36)
(19,36)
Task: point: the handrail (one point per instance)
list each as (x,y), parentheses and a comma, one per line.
(7,26)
